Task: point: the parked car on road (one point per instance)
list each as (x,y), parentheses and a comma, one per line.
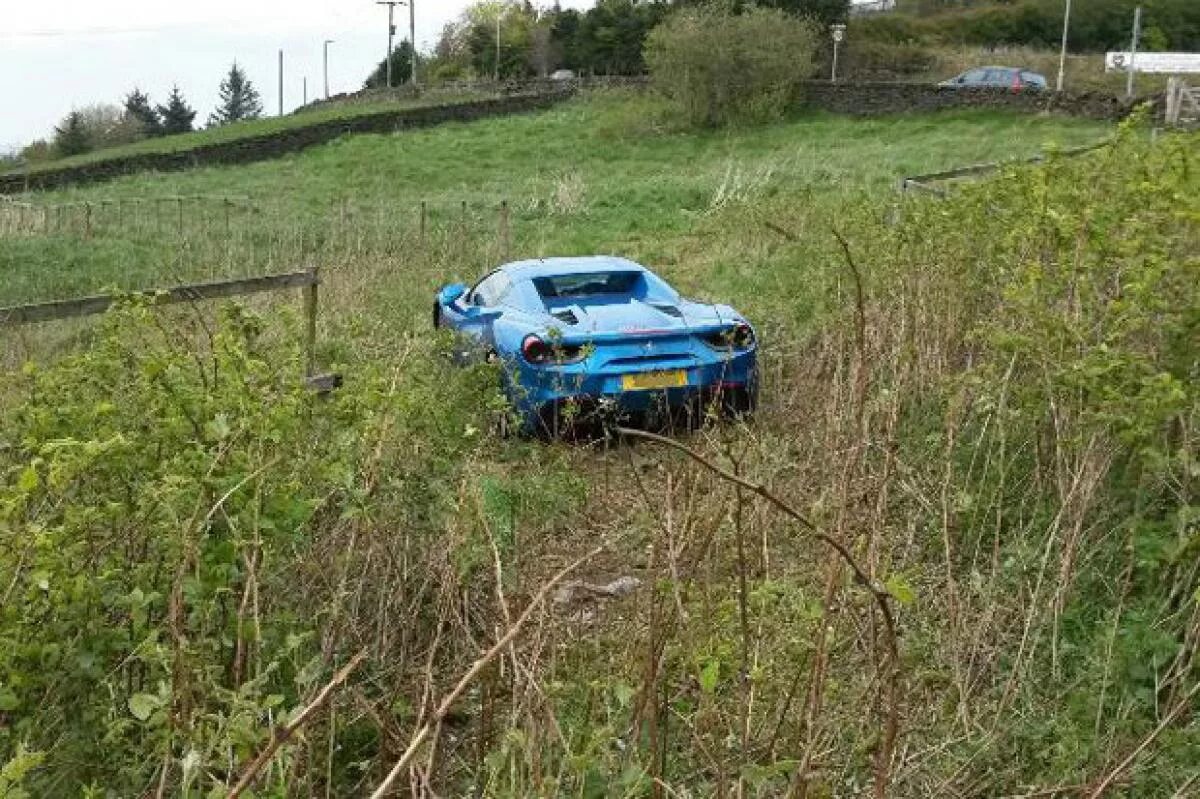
(1013,78)
(562,74)
(595,338)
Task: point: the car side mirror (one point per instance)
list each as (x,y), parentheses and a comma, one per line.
(452,293)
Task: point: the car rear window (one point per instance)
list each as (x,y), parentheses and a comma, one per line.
(592,284)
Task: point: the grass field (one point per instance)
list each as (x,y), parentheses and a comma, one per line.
(594,176)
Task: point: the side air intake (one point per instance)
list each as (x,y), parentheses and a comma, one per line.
(568,316)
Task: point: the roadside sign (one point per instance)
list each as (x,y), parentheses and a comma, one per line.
(1163,63)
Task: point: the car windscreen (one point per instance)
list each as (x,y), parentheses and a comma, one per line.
(608,284)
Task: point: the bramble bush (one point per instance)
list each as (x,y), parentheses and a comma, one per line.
(164,492)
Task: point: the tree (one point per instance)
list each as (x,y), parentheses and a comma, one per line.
(108,126)
(823,12)
(401,68)
(177,116)
(37,151)
(515,21)
(71,136)
(718,67)
(239,99)
(142,114)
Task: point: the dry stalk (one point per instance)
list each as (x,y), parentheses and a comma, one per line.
(1104,784)
(419,737)
(880,596)
(281,735)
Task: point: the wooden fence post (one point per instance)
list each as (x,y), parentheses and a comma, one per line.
(87,220)
(505,234)
(424,212)
(179,202)
(310,313)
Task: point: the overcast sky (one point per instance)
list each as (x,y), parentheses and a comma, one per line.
(63,54)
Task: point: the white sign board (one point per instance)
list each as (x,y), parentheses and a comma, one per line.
(1166,63)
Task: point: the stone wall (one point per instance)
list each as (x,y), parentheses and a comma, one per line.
(870,99)
(274,145)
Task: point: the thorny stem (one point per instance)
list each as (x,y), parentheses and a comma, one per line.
(878,593)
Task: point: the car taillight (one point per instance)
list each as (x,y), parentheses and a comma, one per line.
(739,337)
(540,353)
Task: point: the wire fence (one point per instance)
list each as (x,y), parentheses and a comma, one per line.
(76,248)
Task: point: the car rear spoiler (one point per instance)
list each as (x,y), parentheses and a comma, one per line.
(580,339)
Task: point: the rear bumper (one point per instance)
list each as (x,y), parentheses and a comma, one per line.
(540,395)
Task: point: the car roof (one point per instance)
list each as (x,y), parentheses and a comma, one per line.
(574,265)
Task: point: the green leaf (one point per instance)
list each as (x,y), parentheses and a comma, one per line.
(8,700)
(709,673)
(219,428)
(142,706)
(624,694)
(900,590)
(41,579)
(28,480)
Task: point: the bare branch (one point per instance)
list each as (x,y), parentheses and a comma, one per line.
(1180,706)
(281,734)
(465,681)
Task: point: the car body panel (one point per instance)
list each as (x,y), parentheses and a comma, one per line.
(997,77)
(648,330)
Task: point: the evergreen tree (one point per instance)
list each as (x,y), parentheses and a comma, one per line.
(139,111)
(401,68)
(71,137)
(239,99)
(177,115)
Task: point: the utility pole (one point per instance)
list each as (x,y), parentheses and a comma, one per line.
(1133,44)
(325,65)
(305,95)
(838,32)
(412,40)
(1062,55)
(391,4)
(280,83)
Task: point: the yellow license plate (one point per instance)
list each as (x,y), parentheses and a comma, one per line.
(646,380)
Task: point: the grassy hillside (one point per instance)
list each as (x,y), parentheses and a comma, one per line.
(593,176)
(247,129)
(988,402)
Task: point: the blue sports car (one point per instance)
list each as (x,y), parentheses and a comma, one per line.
(579,338)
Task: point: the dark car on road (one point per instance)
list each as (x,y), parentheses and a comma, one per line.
(1013,78)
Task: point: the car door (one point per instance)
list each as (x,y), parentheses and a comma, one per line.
(1000,78)
(481,307)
